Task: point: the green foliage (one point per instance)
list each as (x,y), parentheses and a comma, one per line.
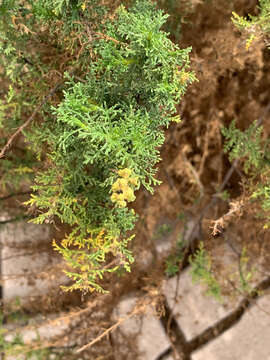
(162,230)
(100,141)
(250,146)
(255,26)
(246,274)
(201,272)
(243,278)
(174,260)
(245,144)
(22,81)
(262,193)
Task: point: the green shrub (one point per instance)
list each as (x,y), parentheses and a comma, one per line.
(201,272)
(174,260)
(101,141)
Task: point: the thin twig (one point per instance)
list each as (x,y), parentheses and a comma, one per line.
(196,177)
(28,121)
(62,319)
(205,150)
(109,330)
(106,37)
(106,332)
(236,208)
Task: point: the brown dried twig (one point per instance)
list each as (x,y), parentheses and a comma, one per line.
(136,310)
(29,120)
(194,173)
(236,208)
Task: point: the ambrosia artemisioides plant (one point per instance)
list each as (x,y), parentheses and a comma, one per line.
(102,141)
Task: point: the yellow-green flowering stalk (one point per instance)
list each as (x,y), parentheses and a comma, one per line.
(255,27)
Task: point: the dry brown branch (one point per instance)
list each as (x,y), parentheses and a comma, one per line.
(106,37)
(205,150)
(136,310)
(61,319)
(236,208)
(195,175)
(106,332)
(29,120)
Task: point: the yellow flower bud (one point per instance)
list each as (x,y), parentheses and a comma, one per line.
(134,181)
(121,197)
(114,197)
(121,203)
(123,184)
(116,186)
(129,194)
(125,173)
(184,77)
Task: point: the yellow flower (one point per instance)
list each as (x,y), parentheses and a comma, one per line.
(250,40)
(129,194)
(184,77)
(120,184)
(116,186)
(118,197)
(122,203)
(123,184)
(114,197)
(122,188)
(121,197)
(134,181)
(125,173)
(176,119)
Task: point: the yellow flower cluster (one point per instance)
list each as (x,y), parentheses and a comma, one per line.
(184,77)
(83,6)
(123,188)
